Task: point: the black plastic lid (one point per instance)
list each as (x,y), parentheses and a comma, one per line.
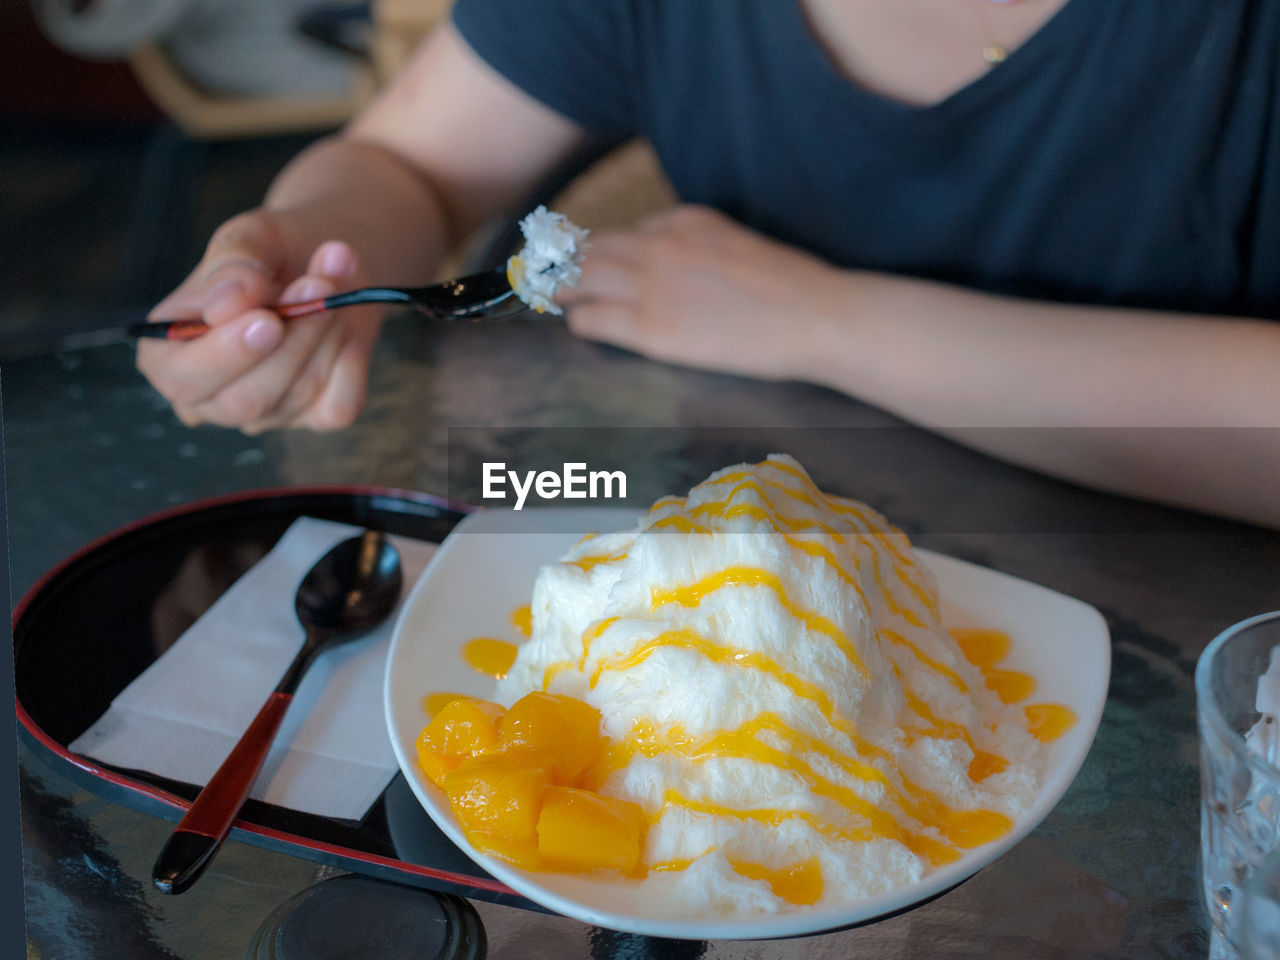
(354,918)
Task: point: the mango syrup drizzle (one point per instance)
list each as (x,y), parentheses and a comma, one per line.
(589,563)
(981,647)
(882,529)
(522,620)
(963,828)
(492,656)
(693,594)
(770,817)
(985,649)
(489,655)
(1046,721)
(589,635)
(770,515)
(747,660)
(800,883)
(883,532)
(820,551)
(666,502)
(1049,721)
(984,764)
(816,549)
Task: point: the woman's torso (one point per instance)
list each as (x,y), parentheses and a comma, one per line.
(1126,152)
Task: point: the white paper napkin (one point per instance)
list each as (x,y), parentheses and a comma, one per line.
(181,717)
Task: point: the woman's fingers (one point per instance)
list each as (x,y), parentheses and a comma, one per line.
(253,370)
(241,269)
(342,388)
(190,374)
(691,286)
(343,395)
(256,371)
(236,277)
(336,260)
(308,382)
(259,391)
(610,271)
(603,279)
(281,386)
(609,322)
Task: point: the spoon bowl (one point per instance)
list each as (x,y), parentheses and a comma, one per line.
(351,590)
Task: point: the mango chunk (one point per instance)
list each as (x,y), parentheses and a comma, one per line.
(562,730)
(517,852)
(465,726)
(434,765)
(462,727)
(499,794)
(581,830)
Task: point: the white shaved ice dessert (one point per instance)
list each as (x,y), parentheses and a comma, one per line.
(770,666)
(549,260)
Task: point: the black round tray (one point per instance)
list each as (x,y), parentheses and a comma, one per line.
(102,616)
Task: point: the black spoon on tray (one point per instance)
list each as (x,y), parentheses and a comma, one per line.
(466,298)
(351,589)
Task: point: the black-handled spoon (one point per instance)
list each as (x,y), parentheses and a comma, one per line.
(350,590)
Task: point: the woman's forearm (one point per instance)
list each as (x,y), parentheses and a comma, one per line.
(363,193)
(946,356)
(447,147)
(438,152)
(1178,408)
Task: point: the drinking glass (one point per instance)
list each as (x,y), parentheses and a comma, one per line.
(1240,784)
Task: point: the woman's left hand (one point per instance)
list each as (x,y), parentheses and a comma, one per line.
(691,286)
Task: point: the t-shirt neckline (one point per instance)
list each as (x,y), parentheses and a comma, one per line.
(1022,61)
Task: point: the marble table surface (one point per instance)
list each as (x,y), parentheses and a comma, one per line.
(1112,872)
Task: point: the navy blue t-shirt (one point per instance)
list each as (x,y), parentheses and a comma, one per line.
(1128,153)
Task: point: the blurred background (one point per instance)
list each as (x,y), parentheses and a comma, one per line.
(132,128)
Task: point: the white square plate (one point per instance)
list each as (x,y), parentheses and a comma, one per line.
(486,569)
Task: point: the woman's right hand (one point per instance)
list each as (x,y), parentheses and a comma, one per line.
(252,370)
